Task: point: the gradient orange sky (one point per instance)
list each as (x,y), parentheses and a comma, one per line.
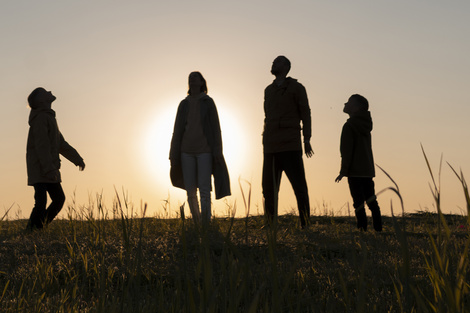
(120,68)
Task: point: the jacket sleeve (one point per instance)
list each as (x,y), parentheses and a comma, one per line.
(217,133)
(346,149)
(266,95)
(68,151)
(305,115)
(42,144)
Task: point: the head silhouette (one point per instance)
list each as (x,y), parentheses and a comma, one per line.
(360,101)
(196,80)
(281,66)
(40,97)
(356,103)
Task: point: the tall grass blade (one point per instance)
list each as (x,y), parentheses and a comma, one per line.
(4,290)
(429,166)
(404,270)
(6,213)
(465,189)
(247,203)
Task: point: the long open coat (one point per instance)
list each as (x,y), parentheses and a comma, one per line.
(211,129)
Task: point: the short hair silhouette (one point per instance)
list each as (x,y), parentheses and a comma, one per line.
(32,97)
(204,84)
(361,101)
(286,61)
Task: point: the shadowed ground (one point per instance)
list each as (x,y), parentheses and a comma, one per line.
(238,265)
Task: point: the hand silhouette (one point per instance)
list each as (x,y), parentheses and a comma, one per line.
(81,166)
(308,149)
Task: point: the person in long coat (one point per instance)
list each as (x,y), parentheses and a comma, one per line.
(196,150)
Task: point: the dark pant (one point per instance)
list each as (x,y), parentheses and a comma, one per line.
(292,164)
(363,192)
(40,216)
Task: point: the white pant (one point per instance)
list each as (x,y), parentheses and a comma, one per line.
(197,171)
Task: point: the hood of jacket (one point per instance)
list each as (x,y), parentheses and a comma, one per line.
(35,112)
(361,122)
(202,96)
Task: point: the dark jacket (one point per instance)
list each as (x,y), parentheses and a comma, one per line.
(211,129)
(45,143)
(356,146)
(285,107)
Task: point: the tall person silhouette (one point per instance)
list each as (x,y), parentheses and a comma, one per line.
(196,150)
(285,108)
(45,143)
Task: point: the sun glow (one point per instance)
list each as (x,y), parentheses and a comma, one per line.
(234,139)
(157,132)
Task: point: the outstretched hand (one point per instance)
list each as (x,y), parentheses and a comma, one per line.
(81,166)
(308,149)
(338,179)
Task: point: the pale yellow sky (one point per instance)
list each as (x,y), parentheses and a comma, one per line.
(120,68)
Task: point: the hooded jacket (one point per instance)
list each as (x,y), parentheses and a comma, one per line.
(45,143)
(356,146)
(285,107)
(211,129)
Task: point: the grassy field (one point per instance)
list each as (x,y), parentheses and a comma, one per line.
(92,262)
(237,265)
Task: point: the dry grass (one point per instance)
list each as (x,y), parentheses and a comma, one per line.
(238,265)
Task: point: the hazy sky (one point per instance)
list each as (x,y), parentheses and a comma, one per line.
(120,68)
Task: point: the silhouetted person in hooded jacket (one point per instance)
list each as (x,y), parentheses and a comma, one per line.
(357,161)
(45,143)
